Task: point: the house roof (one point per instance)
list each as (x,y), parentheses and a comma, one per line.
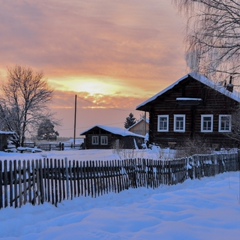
(116,131)
(219,88)
(141,120)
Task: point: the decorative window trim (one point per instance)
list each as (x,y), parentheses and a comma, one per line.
(95,140)
(183,116)
(202,122)
(104,140)
(220,123)
(167,123)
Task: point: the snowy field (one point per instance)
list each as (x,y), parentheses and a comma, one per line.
(197,209)
(83,155)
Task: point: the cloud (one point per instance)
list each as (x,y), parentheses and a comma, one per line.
(134,48)
(129,40)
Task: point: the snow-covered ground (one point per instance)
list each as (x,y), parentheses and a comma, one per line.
(197,209)
(94,154)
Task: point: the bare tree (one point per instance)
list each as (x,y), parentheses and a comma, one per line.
(213,36)
(23,102)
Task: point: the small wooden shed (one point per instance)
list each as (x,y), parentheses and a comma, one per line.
(105,137)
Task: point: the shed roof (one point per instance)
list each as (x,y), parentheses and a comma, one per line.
(202,79)
(115,130)
(141,120)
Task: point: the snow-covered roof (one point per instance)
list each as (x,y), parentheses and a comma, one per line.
(142,119)
(221,89)
(116,130)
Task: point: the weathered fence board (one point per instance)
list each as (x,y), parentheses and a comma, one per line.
(54,180)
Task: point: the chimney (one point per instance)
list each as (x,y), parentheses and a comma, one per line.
(229,87)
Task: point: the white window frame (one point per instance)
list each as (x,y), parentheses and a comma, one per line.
(202,122)
(95,140)
(104,140)
(220,123)
(183,116)
(167,122)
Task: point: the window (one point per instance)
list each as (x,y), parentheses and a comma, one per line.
(104,140)
(95,140)
(179,123)
(224,124)
(163,123)
(206,123)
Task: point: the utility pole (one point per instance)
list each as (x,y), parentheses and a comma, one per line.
(75,119)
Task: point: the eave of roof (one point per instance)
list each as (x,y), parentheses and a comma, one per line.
(233,95)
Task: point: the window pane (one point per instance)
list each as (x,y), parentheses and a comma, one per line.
(179,123)
(163,123)
(207,123)
(225,123)
(95,140)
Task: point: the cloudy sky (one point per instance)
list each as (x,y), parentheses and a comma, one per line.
(113,54)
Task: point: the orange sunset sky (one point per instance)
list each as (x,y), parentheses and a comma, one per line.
(114,54)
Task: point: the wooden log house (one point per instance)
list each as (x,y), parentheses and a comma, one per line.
(192,107)
(105,137)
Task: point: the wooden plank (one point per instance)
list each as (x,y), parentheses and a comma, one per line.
(44,172)
(29,181)
(51,170)
(10,182)
(24,183)
(59,181)
(67,178)
(78,178)
(20,183)
(41,182)
(74,178)
(55,182)
(38,191)
(15,183)
(48,180)
(63,175)
(84,178)
(1,185)
(91,178)
(5,184)
(88,178)
(81,173)
(33,183)
(70,178)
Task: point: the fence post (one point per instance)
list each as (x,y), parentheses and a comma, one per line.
(67,178)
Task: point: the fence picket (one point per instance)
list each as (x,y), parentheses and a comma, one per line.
(10,183)
(24,183)
(6,184)
(1,184)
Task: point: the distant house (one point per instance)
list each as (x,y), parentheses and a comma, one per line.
(140,127)
(4,136)
(192,107)
(104,137)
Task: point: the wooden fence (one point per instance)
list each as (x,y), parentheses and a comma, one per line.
(53,180)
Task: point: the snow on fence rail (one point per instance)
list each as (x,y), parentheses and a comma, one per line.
(53,180)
